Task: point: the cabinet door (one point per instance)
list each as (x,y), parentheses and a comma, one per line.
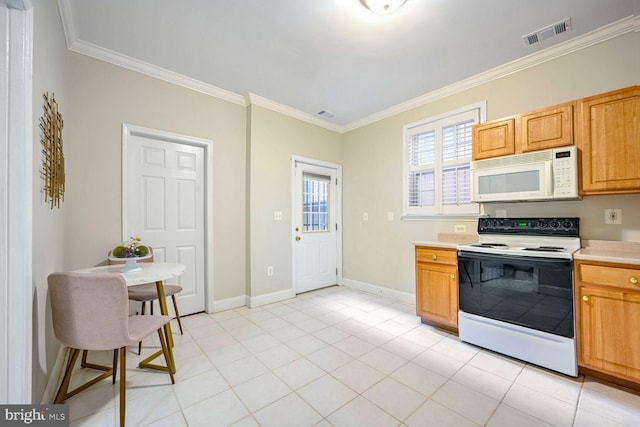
(437,293)
(609,341)
(548,128)
(609,126)
(493,139)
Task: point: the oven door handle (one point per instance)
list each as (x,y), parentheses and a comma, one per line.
(477,256)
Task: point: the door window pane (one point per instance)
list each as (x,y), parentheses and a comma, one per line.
(315,199)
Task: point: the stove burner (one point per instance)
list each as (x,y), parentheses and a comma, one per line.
(546,249)
(490,245)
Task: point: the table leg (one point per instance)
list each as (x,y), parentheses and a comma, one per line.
(171,365)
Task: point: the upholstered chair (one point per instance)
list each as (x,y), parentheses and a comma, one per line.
(91,312)
(149,292)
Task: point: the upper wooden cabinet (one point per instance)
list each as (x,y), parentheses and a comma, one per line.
(609,139)
(543,129)
(493,139)
(538,130)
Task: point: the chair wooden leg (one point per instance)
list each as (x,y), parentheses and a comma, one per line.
(61,395)
(175,307)
(165,351)
(115,365)
(123,384)
(144,304)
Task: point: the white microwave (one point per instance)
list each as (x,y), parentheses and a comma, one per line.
(539,175)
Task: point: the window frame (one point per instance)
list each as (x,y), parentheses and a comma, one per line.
(476,111)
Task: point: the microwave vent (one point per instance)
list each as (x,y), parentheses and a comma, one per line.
(517,159)
(547,32)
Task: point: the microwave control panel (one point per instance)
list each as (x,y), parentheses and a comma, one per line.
(565,172)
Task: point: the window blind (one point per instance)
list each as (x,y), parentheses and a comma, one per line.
(437,165)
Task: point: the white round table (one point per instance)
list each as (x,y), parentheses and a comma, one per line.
(148,272)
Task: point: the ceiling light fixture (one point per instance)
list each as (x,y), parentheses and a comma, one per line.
(382,7)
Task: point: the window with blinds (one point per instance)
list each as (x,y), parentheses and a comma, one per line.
(437,159)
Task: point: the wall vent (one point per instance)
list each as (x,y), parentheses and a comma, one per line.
(547,32)
(326,114)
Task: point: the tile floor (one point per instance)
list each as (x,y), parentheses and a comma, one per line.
(340,357)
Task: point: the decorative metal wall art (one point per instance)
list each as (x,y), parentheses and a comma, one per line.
(53,161)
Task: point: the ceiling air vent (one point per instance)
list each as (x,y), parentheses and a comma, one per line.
(326,114)
(547,32)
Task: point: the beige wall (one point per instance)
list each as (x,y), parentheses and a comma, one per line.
(49,68)
(380,252)
(274,139)
(101,98)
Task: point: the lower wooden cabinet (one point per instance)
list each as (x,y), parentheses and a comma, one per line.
(607,315)
(437,286)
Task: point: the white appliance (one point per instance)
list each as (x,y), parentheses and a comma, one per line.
(515,290)
(540,175)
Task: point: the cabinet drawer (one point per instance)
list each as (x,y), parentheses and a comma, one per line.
(626,278)
(437,255)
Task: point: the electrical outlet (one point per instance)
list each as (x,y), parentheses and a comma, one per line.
(613,216)
(460,228)
(270,270)
(277,216)
(389,216)
(365,216)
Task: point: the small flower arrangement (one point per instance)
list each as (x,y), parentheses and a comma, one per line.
(132,248)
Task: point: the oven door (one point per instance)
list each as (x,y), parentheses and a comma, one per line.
(532,292)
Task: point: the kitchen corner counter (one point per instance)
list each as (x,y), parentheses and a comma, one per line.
(449,240)
(609,251)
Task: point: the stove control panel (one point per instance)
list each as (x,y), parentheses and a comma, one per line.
(569,227)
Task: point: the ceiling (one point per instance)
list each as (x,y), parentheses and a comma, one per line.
(305,56)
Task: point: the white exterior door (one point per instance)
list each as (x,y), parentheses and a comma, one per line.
(164,205)
(315,221)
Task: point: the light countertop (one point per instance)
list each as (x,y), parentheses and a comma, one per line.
(609,251)
(449,240)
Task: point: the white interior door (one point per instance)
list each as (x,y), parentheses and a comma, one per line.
(164,205)
(315,222)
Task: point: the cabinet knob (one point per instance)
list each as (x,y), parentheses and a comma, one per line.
(453,276)
(435,257)
(634,280)
(585,298)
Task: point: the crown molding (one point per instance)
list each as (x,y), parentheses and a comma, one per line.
(258,100)
(17,4)
(76,45)
(608,32)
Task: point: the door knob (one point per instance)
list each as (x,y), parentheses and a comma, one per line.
(297,238)
(585,298)
(634,280)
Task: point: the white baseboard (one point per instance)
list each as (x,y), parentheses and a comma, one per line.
(257,301)
(253,302)
(55,376)
(228,304)
(380,290)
